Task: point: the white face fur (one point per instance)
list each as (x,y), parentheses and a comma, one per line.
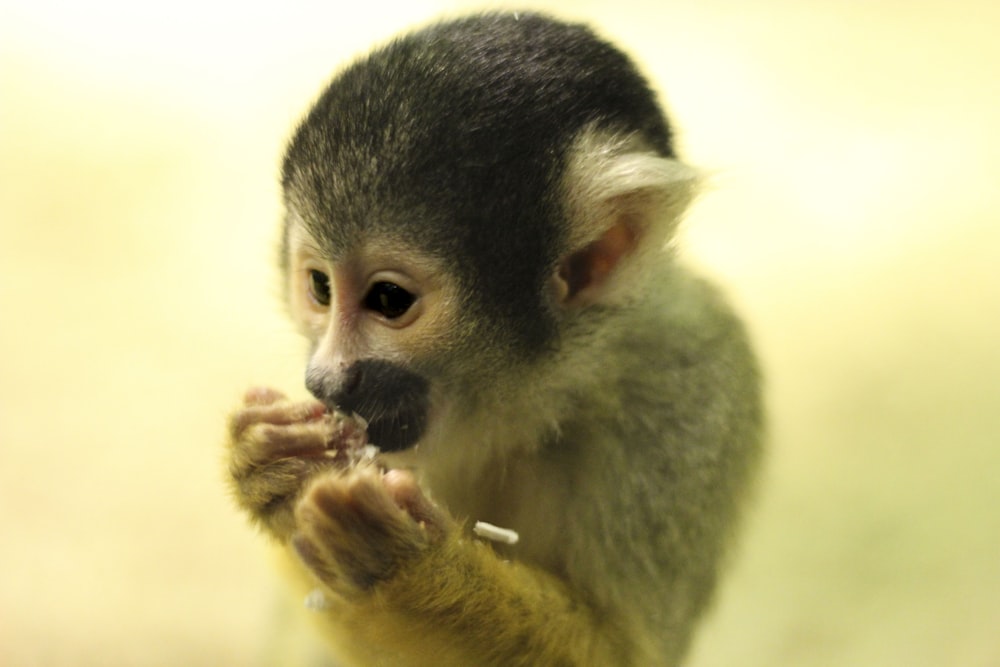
(377,302)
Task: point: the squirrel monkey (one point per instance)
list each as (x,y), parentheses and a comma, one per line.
(477,247)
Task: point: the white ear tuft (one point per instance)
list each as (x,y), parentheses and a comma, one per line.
(623,201)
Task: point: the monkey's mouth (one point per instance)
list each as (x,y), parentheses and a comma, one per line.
(397,431)
(394,401)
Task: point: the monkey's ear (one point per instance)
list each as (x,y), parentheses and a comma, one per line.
(623,204)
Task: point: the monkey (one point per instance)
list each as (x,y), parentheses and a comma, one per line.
(478,244)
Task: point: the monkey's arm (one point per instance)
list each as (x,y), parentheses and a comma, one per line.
(408,585)
(402,579)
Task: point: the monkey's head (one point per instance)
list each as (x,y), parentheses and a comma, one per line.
(463,205)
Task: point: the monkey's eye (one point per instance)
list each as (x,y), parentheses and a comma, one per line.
(389,300)
(319,287)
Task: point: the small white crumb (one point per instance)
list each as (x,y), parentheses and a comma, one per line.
(495,533)
(365,454)
(316,600)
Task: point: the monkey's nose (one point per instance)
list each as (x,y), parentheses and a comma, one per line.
(325,384)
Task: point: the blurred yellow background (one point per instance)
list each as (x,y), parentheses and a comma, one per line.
(853,217)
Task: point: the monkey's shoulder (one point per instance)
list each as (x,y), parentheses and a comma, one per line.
(684,320)
(690,380)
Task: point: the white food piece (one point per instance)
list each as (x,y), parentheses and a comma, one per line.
(495,533)
(316,600)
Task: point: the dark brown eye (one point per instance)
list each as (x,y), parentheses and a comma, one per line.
(389,300)
(319,287)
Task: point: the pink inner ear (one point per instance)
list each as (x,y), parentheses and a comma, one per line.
(590,267)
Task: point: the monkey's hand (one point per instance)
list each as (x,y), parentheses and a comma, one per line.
(360,528)
(410,589)
(276,446)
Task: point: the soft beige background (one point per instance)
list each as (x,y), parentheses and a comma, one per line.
(853,217)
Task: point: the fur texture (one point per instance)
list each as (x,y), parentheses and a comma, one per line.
(574,382)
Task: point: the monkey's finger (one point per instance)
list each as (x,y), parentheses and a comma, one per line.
(269,492)
(265,443)
(282,412)
(403,489)
(314,559)
(342,550)
(354,522)
(379,520)
(262,396)
(358,501)
(262,492)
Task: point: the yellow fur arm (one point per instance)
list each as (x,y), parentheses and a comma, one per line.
(461,605)
(407,587)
